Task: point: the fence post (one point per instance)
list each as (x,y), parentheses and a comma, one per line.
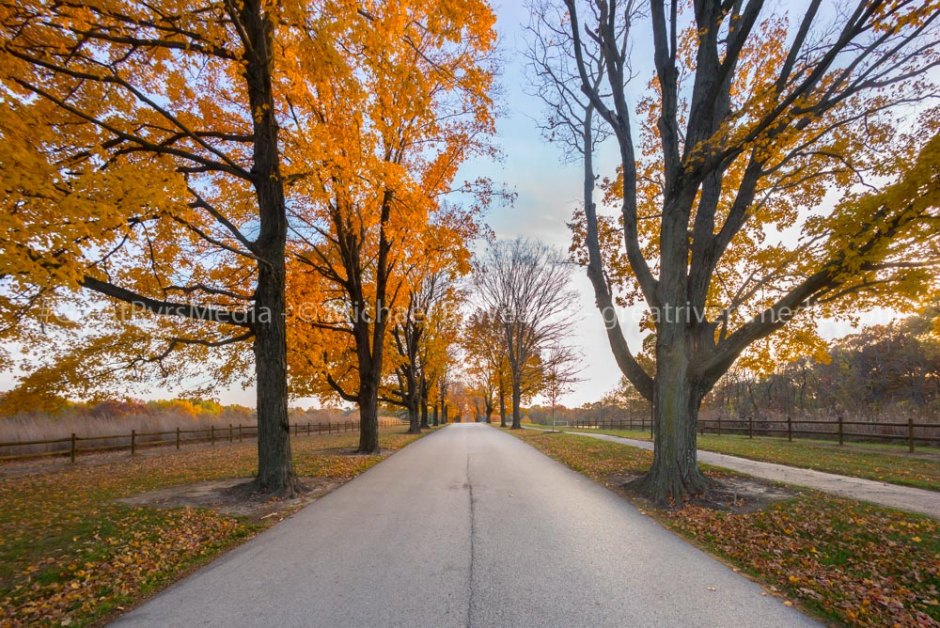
(72,448)
(719,424)
(841,437)
(789,428)
(750,426)
(910,434)
(133,442)
(177,438)
(212,434)
(231,433)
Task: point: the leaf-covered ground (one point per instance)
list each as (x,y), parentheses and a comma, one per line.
(885,463)
(71,555)
(853,562)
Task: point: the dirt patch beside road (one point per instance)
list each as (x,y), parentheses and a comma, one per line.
(229,497)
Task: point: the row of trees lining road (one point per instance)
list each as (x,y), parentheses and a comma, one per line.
(487,362)
(561,368)
(211,162)
(526,315)
(422,342)
(766,176)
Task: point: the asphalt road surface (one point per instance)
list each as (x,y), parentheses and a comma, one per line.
(466,527)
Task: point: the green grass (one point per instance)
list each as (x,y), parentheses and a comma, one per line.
(851,562)
(886,463)
(69,552)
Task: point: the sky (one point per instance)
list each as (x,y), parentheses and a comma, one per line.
(547,191)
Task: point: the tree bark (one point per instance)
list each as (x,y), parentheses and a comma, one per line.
(275,468)
(674,476)
(414,420)
(368,399)
(516,406)
(424,404)
(368,418)
(412,401)
(436,418)
(502,406)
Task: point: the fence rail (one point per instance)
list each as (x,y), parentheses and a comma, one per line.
(73,445)
(837,429)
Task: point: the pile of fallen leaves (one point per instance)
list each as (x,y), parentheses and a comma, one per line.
(854,562)
(71,555)
(859,563)
(116,563)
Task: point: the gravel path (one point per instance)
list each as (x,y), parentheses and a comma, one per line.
(901,497)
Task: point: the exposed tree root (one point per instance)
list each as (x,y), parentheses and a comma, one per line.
(671,490)
(293,487)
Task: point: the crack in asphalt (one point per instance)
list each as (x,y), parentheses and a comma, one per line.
(472,535)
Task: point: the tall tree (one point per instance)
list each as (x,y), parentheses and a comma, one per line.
(526,285)
(484,344)
(560,368)
(378,204)
(441,334)
(760,184)
(144,162)
(432,299)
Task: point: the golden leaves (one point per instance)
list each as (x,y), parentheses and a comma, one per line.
(379,213)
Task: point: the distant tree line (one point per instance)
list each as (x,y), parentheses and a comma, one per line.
(883,372)
(62,409)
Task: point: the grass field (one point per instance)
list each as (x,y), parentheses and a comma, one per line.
(887,463)
(70,554)
(848,561)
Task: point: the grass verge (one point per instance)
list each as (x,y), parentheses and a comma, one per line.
(884,463)
(848,561)
(70,554)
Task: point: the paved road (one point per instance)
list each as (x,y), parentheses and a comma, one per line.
(892,495)
(466,527)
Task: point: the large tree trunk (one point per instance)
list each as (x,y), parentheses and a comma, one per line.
(368,416)
(414,419)
(275,469)
(436,419)
(674,476)
(424,404)
(413,399)
(516,405)
(502,406)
